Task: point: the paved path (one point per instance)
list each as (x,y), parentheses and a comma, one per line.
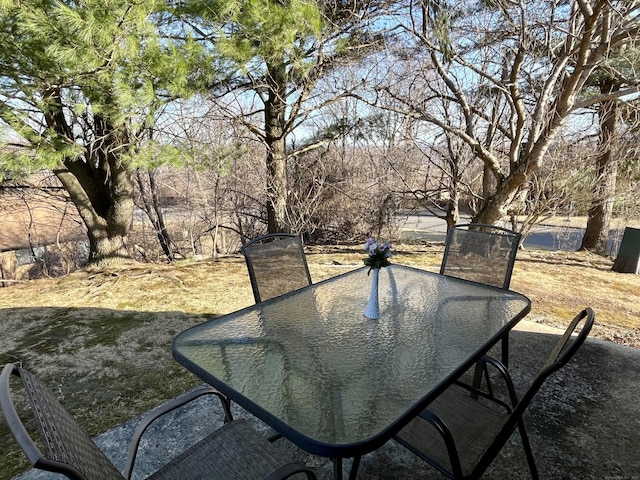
(583,425)
(424,226)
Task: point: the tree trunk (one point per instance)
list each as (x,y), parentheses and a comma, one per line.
(452,213)
(105,204)
(275,125)
(98,183)
(488,183)
(596,236)
(154,213)
(496,207)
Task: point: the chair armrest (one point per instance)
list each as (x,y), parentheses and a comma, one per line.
(164,409)
(291,469)
(16,426)
(20,433)
(449,442)
(489,394)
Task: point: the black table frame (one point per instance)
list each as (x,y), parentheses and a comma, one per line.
(356,449)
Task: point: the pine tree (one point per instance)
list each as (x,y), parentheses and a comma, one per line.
(82,85)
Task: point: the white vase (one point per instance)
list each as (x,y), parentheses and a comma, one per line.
(373,308)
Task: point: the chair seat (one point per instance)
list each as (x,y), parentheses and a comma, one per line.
(476,430)
(234,451)
(474,426)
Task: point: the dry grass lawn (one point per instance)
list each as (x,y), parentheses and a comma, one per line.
(102,336)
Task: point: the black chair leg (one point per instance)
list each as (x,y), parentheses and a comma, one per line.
(354,468)
(527,450)
(337,468)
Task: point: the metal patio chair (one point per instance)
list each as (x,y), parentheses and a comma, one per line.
(484,254)
(481,253)
(233,451)
(277,265)
(465,428)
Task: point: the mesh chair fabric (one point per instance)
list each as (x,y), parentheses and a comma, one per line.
(234,451)
(480,432)
(475,426)
(480,253)
(276,264)
(66,441)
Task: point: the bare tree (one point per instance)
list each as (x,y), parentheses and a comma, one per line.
(515,71)
(617,74)
(150,203)
(559,188)
(276,54)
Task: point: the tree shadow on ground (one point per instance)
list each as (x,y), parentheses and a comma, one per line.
(110,366)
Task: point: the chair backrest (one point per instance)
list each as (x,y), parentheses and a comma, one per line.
(277,264)
(563,351)
(69,449)
(481,253)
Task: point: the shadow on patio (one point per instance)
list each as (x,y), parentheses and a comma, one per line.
(583,424)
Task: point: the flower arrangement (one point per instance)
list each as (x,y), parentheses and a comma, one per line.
(379,253)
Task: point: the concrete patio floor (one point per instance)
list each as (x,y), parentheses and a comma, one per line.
(584,424)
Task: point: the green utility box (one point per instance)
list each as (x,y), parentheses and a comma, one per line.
(628,259)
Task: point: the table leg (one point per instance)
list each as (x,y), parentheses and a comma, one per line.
(477,374)
(337,469)
(354,468)
(505,350)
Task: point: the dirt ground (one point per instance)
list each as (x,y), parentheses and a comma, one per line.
(558,284)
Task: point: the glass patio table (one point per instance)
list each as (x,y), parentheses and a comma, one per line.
(340,385)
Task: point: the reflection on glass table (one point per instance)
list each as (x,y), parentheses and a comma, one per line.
(335,383)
